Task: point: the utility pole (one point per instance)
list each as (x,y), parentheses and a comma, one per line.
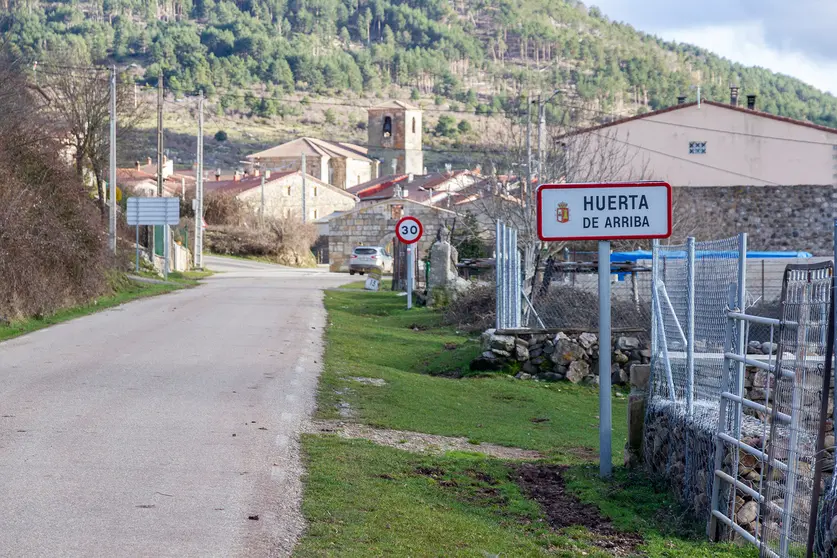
(304,216)
(528,149)
(261,213)
(152,248)
(112,169)
(199,189)
(541,135)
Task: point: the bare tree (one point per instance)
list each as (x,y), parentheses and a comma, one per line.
(79,103)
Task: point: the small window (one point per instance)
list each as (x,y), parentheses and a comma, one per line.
(396,211)
(414,124)
(358,179)
(387,126)
(289,190)
(315,191)
(314,213)
(697,148)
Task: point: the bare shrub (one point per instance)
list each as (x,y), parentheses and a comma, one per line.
(473,310)
(286,241)
(293,241)
(224,209)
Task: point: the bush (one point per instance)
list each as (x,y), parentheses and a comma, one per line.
(330,116)
(446,126)
(286,241)
(464,127)
(224,209)
(220,135)
(473,310)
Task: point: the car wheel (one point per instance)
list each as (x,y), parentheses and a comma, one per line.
(351,272)
(360,272)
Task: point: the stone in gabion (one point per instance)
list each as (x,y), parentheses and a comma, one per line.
(577,371)
(627,343)
(587,340)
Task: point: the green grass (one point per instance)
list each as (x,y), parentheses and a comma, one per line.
(123,290)
(366,500)
(372,335)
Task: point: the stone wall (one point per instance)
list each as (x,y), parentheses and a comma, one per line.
(774,217)
(374,225)
(552,356)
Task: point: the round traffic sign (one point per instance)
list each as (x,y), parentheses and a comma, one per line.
(409,230)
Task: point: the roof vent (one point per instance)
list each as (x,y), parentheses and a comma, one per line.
(733,95)
(751,102)
(409,178)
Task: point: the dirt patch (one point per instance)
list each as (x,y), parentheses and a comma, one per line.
(545,485)
(417,441)
(584,453)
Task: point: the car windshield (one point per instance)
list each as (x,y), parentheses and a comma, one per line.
(365,251)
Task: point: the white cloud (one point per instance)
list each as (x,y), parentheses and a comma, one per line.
(745,43)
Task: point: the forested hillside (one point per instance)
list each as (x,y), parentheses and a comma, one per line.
(480,54)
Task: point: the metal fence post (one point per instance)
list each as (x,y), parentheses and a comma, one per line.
(605,350)
(690,326)
(516,284)
(498,278)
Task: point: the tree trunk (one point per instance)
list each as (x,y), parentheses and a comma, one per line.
(101,189)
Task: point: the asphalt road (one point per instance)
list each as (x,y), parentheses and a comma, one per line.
(157,428)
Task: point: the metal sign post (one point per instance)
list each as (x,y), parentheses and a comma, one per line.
(409,231)
(154,212)
(604,212)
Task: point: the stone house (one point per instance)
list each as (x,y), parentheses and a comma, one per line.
(432,189)
(283,194)
(374,225)
(340,164)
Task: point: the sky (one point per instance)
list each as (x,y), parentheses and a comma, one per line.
(796,38)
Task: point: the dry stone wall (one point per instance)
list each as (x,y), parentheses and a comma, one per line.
(556,356)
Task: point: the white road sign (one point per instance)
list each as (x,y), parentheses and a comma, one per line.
(153,211)
(604,211)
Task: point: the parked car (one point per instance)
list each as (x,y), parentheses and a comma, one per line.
(366,258)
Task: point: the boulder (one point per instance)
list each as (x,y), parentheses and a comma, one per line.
(748,513)
(754,348)
(769,348)
(502,342)
(522,353)
(627,343)
(523,376)
(587,340)
(620,357)
(550,377)
(645,353)
(485,338)
(548,348)
(521,342)
(530,367)
(567,351)
(534,353)
(577,371)
(501,353)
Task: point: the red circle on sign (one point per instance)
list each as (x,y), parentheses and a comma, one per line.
(409,230)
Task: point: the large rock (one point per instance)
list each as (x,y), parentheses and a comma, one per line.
(488,361)
(577,371)
(748,513)
(485,338)
(587,340)
(502,343)
(620,357)
(769,348)
(627,343)
(522,353)
(567,351)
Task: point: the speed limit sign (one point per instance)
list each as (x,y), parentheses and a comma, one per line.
(409,230)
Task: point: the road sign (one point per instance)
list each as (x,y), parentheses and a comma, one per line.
(409,230)
(604,211)
(373,280)
(153,211)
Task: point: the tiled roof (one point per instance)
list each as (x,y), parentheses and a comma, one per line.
(312,147)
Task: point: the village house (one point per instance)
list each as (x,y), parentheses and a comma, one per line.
(433,189)
(340,164)
(142,179)
(283,194)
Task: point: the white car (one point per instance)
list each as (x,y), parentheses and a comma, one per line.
(366,258)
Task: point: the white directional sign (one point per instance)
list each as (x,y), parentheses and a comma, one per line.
(153,211)
(604,211)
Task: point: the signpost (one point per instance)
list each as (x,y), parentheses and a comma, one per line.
(604,212)
(154,212)
(409,231)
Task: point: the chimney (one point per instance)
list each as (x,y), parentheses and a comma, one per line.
(751,102)
(409,178)
(148,161)
(217,175)
(406,193)
(257,173)
(236,177)
(733,95)
(681,100)
(137,165)
(266,174)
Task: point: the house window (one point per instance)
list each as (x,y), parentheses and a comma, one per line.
(315,191)
(414,124)
(396,211)
(289,190)
(697,148)
(313,213)
(387,126)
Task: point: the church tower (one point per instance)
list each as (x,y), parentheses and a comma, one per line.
(395,138)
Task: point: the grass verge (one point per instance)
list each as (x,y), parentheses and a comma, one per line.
(366,500)
(122,290)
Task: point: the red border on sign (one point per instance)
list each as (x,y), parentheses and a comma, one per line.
(409,218)
(600,185)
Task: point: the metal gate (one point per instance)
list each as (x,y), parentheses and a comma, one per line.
(770,438)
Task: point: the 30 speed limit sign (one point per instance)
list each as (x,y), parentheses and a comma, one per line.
(409,230)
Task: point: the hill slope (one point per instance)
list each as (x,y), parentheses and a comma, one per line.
(480,53)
